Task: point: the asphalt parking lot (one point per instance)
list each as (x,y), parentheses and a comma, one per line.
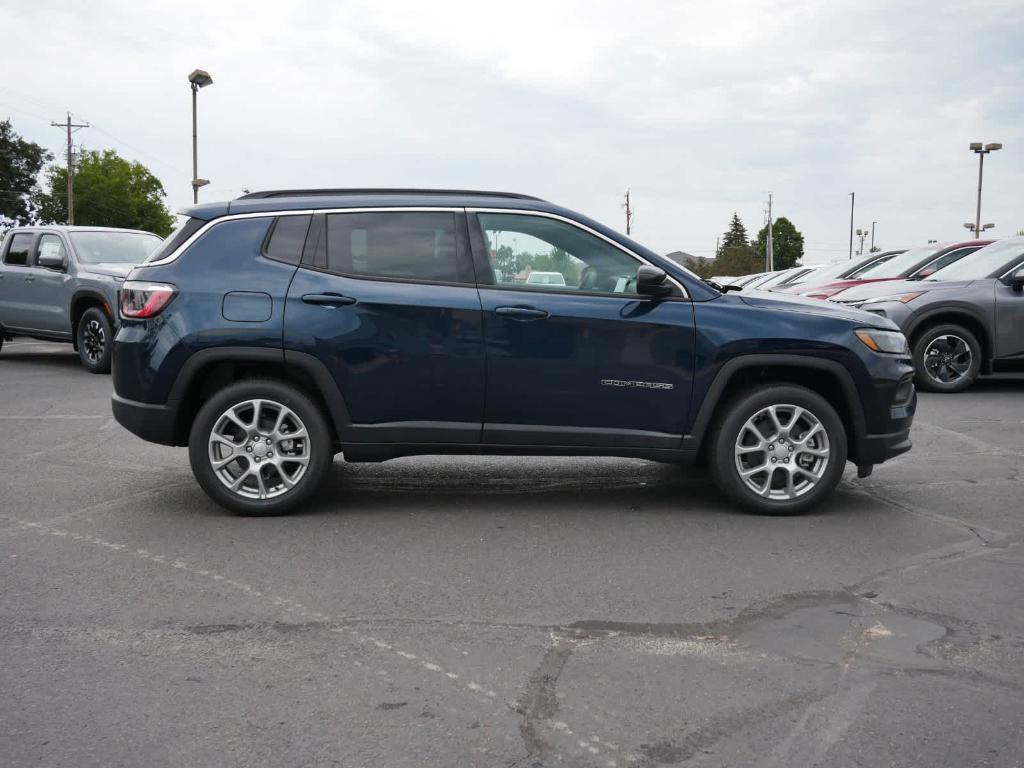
(503,612)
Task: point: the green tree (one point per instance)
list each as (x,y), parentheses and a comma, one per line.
(788,244)
(737,260)
(736,236)
(109,192)
(20,164)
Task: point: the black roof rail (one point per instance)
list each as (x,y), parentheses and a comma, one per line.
(380,191)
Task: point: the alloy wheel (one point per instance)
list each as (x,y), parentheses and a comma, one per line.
(947,359)
(782,452)
(259,449)
(94,340)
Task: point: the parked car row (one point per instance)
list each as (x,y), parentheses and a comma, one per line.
(961,305)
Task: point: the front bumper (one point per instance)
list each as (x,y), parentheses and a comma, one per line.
(875,449)
(155,422)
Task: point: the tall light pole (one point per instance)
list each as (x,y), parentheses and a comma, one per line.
(198,79)
(861,233)
(853,197)
(981,150)
(873,236)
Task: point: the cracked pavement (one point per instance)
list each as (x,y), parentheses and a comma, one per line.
(452,611)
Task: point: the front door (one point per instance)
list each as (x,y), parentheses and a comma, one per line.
(1009,344)
(387,300)
(47,290)
(574,355)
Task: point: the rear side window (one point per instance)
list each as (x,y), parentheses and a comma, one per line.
(397,245)
(17,253)
(184,231)
(287,239)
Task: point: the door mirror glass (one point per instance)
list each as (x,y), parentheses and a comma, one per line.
(50,253)
(652,281)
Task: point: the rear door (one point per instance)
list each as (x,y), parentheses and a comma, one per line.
(17,274)
(386,298)
(590,363)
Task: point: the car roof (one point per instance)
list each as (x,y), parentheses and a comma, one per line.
(316,199)
(78,228)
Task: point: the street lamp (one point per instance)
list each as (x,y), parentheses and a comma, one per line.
(861,233)
(977,231)
(198,79)
(873,223)
(981,150)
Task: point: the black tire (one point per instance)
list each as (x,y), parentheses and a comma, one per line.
(95,339)
(319,447)
(928,382)
(726,432)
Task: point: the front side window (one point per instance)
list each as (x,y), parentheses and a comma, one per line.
(51,245)
(403,245)
(17,252)
(537,252)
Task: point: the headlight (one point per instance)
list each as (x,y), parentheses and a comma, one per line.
(902,298)
(889,342)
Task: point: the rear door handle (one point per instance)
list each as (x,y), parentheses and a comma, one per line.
(328,299)
(524,314)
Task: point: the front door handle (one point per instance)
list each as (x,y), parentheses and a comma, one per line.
(524,314)
(328,299)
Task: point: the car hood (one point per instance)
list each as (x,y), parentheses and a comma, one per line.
(817,307)
(896,288)
(109,269)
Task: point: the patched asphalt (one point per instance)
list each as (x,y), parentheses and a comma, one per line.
(457,611)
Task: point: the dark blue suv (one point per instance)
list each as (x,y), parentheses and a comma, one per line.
(274,331)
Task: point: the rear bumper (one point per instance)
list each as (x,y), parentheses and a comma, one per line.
(154,422)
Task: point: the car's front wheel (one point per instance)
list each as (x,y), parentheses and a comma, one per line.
(95,335)
(259,447)
(778,449)
(947,358)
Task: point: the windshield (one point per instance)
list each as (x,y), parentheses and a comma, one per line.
(871,264)
(113,247)
(897,265)
(990,261)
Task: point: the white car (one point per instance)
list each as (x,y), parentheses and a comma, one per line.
(545,278)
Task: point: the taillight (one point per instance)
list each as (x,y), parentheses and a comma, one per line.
(140,300)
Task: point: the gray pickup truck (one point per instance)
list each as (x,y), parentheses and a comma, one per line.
(60,283)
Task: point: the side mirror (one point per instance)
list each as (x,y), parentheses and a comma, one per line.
(1017,279)
(52,261)
(652,281)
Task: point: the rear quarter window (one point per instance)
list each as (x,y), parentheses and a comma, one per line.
(175,239)
(287,239)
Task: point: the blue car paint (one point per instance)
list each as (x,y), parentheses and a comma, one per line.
(430,365)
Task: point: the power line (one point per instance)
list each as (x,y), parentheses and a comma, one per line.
(70,128)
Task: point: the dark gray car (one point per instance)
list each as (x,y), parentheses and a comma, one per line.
(962,321)
(60,284)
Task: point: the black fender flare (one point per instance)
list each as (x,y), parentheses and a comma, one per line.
(964,310)
(93,294)
(308,364)
(744,362)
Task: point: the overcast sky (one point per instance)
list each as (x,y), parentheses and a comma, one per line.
(701,108)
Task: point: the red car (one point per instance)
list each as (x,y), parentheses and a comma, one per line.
(916,263)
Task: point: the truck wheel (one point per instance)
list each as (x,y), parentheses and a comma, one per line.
(95,338)
(777,449)
(259,447)
(947,358)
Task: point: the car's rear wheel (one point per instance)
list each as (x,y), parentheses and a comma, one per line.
(778,449)
(95,334)
(947,358)
(260,447)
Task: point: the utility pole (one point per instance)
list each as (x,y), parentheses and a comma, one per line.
(629,214)
(981,150)
(861,233)
(771,238)
(852,198)
(70,128)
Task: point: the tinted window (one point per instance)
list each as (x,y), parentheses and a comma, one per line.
(17,253)
(990,261)
(407,245)
(50,245)
(564,256)
(944,261)
(288,238)
(183,232)
(898,265)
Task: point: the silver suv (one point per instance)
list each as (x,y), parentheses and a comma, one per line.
(965,320)
(60,283)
